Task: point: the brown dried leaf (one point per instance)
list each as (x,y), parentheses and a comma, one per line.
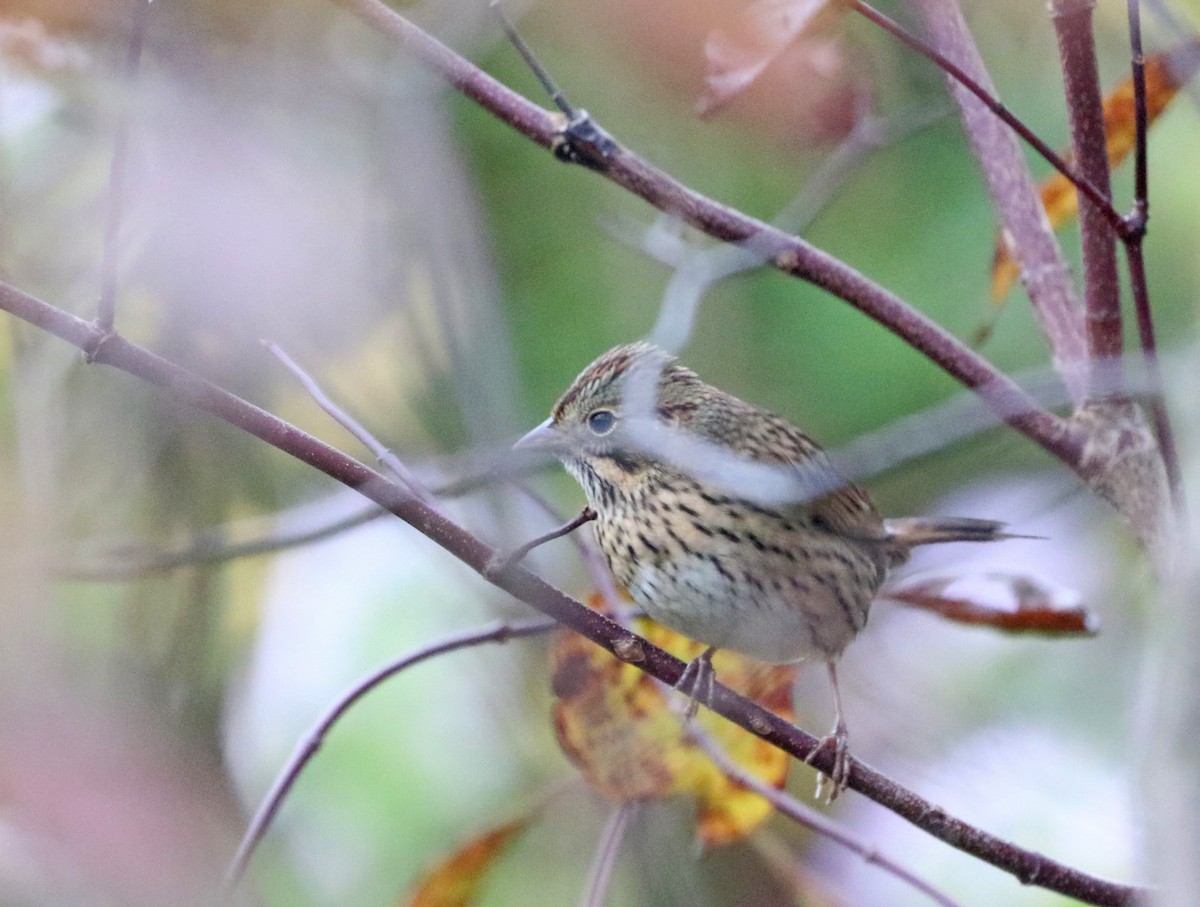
(456,880)
(1008,602)
(613,721)
(736,56)
(1166,73)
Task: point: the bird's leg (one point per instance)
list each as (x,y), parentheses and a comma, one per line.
(696,682)
(839,739)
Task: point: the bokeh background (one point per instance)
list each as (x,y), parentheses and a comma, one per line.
(290,175)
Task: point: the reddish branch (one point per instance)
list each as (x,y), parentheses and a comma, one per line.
(1081,78)
(1085,186)
(787,253)
(1136,261)
(1044,271)
(185,387)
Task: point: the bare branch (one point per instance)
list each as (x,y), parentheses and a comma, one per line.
(1136,263)
(206,549)
(1044,271)
(503,560)
(307,748)
(187,388)
(1081,78)
(989,100)
(383,455)
(808,817)
(696,271)
(787,253)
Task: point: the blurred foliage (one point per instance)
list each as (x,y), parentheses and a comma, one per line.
(294,176)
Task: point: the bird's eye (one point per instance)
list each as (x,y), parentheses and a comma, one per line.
(602,421)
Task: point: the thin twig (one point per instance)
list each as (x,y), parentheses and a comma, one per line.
(307,748)
(209,549)
(503,560)
(106,308)
(808,817)
(1136,263)
(1052,157)
(593,561)
(535,65)
(383,454)
(1141,175)
(595,891)
(787,253)
(185,388)
(696,271)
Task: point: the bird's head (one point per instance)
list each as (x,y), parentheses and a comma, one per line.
(586,427)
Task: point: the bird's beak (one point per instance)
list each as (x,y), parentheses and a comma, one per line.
(544,437)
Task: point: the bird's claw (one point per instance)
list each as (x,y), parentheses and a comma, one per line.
(696,683)
(833,783)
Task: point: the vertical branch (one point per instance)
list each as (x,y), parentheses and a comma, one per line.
(1141,190)
(106,309)
(1044,272)
(1102,294)
(1136,262)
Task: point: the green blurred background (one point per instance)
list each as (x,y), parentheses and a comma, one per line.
(291,175)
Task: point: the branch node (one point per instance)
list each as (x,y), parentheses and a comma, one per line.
(581,141)
(97,339)
(1136,222)
(760,726)
(629,649)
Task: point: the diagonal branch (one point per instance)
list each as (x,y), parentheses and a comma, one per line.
(187,388)
(1044,271)
(787,253)
(307,748)
(1085,186)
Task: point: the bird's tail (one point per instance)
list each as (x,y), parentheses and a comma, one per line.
(908,532)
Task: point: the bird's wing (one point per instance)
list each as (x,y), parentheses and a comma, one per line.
(847,509)
(836,504)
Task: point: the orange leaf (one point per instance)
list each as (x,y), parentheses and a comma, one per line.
(1015,604)
(613,721)
(455,882)
(736,56)
(1165,74)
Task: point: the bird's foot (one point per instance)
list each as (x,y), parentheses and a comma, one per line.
(696,683)
(830,786)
